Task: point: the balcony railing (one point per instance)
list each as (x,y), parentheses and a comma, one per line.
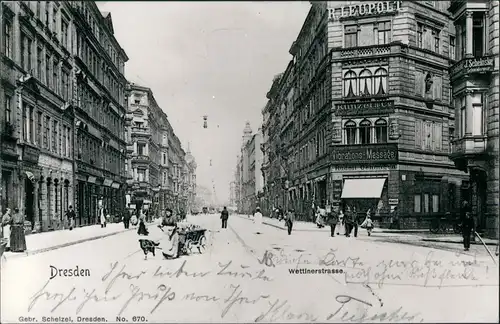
(140,158)
(468,146)
(365,51)
(472,65)
(141,131)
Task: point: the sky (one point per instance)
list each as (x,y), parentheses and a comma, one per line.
(208,58)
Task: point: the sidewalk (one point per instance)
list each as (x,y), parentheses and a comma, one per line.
(424,234)
(311,227)
(48,241)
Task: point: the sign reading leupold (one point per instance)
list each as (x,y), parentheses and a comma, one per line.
(366,9)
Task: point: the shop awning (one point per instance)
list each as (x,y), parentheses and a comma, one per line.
(363,188)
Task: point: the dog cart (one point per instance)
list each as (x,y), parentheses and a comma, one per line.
(189,240)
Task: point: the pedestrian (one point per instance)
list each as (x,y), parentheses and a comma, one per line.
(320,217)
(102,216)
(340,221)
(17,237)
(394,219)
(172,252)
(348,221)
(257,219)
(281,215)
(142,230)
(467,230)
(224,215)
(368,224)
(355,222)
(126,218)
(70,214)
(133,219)
(332,220)
(169,219)
(6,226)
(290,218)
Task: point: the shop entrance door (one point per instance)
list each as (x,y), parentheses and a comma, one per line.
(29,189)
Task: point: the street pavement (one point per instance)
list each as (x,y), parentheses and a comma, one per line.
(247,277)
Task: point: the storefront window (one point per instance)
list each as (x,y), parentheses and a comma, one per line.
(435,203)
(417,202)
(426,203)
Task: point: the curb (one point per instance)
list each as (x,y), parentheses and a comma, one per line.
(458,242)
(57,247)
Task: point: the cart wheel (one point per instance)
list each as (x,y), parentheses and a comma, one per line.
(203,244)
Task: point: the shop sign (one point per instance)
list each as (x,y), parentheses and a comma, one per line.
(30,154)
(365,108)
(107,182)
(364,154)
(393,201)
(368,167)
(367,9)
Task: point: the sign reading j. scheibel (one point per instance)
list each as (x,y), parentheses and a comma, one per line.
(366,9)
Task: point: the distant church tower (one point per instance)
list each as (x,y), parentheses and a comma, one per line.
(247,133)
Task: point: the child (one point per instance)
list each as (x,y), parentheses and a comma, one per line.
(368,224)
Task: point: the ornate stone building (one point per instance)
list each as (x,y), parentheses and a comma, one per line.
(475,88)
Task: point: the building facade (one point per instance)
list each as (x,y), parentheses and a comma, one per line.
(38,115)
(475,98)
(100,108)
(161,174)
(382,121)
(252,182)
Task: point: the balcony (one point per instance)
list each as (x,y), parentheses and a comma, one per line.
(367,51)
(142,159)
(140,131)
(468,147)
(472,66)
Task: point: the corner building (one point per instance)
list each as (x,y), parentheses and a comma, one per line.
(475,83)
(393,118)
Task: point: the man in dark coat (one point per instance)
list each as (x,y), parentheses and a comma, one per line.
(467,229)
(70,213)
(224,215)
(290,218)
(332,220)
(127,215)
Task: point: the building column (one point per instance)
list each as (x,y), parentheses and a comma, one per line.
(469,30)
(468,113)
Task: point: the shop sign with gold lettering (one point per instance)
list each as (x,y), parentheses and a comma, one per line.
(366,9)
(364,154)
(365,108)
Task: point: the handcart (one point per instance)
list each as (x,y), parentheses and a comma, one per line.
(193,239)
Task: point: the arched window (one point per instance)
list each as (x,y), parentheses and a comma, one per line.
(364,132)
(350,132)
(365,83)
(350,84)
(381,131)
(380,81)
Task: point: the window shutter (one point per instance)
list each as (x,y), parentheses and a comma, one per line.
(419,83)
(438,87)
(418,133)
(438,136)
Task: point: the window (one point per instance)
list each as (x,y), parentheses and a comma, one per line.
(25,122)
(46,133)
(426,203)
(478,34)
(39,129)
(428,38)
(47,13)
(8,108)
(141,149)
(477,114)
(350,132)
(435,35)
(452,48)
(350,84)
(417,204)
(54,136)
(435,203)
(23,51)
(32,125)
(38,9)
(384,32)
(29,58)
(365,83)
(39,63)
(55,79)
(64,33)
(463,116)
(380,81)
(141,175)
(47,69)
(364,132)
(7,37)
(428,135)
(420,35)
(351,36)
(381,131)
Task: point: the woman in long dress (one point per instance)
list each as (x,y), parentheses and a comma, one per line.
(17,237)
(257,219)
(6,224)
(169,225)
(142,226)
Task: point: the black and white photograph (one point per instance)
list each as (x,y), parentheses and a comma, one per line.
(249,161)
